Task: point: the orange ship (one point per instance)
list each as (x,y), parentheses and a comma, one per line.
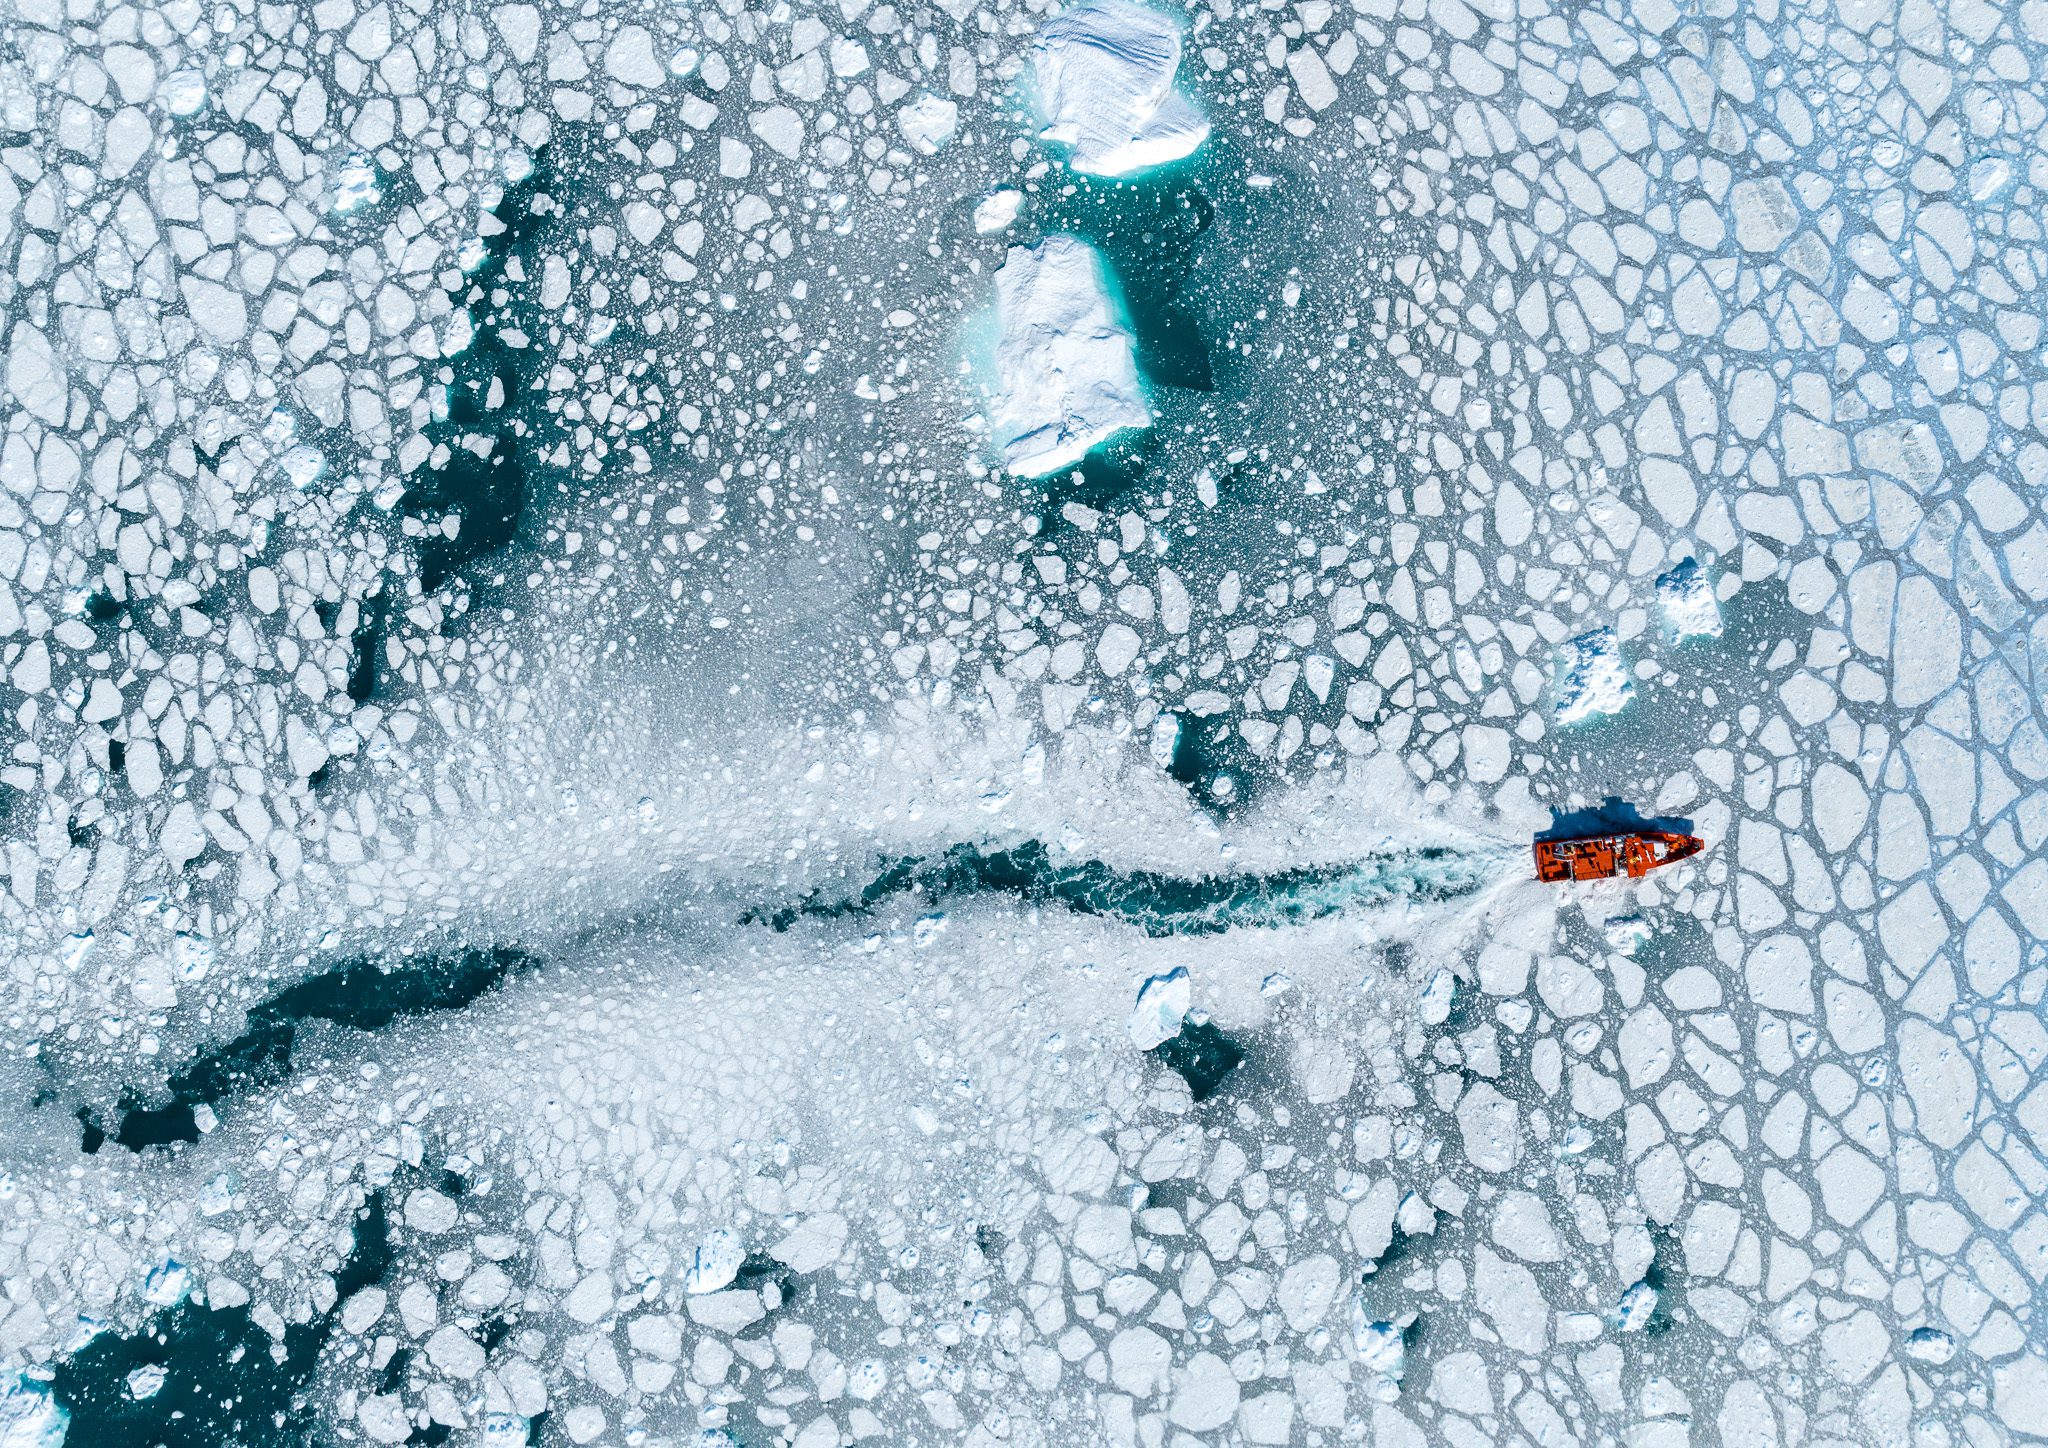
(1601,857)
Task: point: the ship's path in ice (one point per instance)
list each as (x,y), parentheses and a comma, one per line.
(816,723)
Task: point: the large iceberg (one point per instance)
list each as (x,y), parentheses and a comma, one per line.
(1105,74)
(1064,361)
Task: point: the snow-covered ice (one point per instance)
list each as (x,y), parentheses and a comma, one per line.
(602,837)
(1105,72)
(1162,1004)
(1591,678)
(1066,373)
(1687,595)
(30,1417)
(997,210)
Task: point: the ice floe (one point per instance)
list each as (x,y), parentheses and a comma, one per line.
(1162,1005)
(1591,678)
(1690,607)
(467,479)
(1065,366)
(1105,73)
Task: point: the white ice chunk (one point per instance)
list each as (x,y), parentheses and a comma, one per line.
(928,122)
(1492,1128)
(427,1210)
(1688,600)
(1591,678)
(1307,1289)
(1205,1395)
(1163,1002)
(630,59)
(145,1382)
(1105,73)
(167,1283)
(1632,1314)
(1627,934)
(35,376)
(30,1417)
(1064,359)
(716,1263)
(781,128)
(455,1352)
(1382,1349)
(998,210)
(362,1309)
(1118,645)
(813,1243)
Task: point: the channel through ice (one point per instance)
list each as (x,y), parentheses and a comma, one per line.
(819,723)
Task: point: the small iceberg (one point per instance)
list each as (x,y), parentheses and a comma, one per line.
(505,1430)
(356,185)
(998,210)
(1105,73)
(1930,1345)
(1689,604)
(1065,360)
(1163,1002)
(1637,1306)
(716,1263)
(1382,1345)
(1591,678)
(167,1283)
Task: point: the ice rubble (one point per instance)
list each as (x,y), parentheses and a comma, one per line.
(1105,78)
(1064,361)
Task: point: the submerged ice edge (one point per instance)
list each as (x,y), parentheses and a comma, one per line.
(1161,904)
